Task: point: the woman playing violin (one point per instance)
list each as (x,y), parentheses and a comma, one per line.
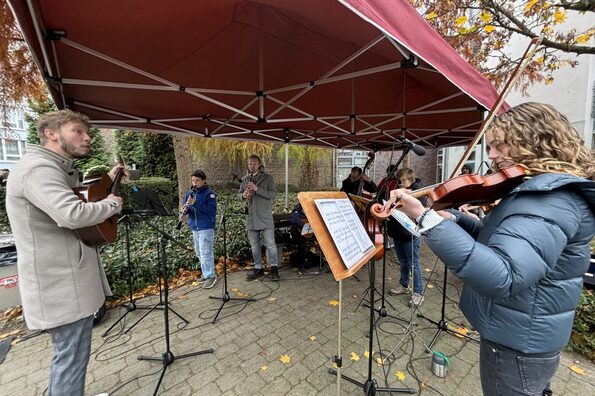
(523,263)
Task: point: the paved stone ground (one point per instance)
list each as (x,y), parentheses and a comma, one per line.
(293,318)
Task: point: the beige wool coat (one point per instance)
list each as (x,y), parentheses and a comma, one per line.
(61,280)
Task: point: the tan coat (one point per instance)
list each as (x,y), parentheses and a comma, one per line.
(61,280)
(260,205)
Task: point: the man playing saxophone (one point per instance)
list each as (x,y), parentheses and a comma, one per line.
(258,190)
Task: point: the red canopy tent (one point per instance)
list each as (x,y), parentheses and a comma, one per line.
(343,74)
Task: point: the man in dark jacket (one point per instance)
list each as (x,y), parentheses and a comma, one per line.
(353,181)
(523,263)
(201,206)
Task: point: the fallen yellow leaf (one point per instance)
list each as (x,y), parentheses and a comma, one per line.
(194,283)
(577,369)
(400,375)
(354,356)
(367,354)
(264,368)
(333,303)
(235,289)
(431,15)
(379,361)
(285,359)
(427,269)
(430,286)
(272,299)
(312,338)
(335,366)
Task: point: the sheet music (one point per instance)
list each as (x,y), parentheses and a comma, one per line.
(405,221)
(345,229)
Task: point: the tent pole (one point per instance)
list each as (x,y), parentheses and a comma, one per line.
(286,174)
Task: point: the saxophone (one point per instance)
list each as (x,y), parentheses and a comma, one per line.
(251,179)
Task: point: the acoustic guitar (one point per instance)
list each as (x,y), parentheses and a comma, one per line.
(107,231)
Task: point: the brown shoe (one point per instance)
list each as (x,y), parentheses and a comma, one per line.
(397,291)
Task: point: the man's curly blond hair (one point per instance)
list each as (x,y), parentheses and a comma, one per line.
(542,140)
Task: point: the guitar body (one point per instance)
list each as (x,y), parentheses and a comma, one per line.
(106,232)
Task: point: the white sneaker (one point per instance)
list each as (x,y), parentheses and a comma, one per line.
(416,299)
(210,282)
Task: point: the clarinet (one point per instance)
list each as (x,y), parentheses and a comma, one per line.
(189,201)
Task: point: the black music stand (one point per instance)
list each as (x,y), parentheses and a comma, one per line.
(131,305)
(147,203)
(167,358)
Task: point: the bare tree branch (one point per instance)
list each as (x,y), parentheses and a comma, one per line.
(582,6)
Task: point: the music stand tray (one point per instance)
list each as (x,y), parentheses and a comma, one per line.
(149,201)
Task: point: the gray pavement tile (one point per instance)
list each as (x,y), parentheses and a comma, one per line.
(247,337)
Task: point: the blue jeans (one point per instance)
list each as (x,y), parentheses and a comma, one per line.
(268,239)
(72,346)
(203,246)
(408,255)
(505,371)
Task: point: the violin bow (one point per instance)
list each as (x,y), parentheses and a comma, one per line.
(523,63)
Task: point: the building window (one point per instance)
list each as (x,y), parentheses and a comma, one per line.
(12,150)
(346,159)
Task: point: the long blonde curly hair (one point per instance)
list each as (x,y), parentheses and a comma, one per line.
(543,140)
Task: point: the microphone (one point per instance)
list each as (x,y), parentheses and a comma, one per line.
(416,148)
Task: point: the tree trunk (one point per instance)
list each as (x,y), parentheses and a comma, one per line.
(183,164)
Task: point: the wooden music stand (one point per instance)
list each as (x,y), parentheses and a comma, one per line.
(333,257)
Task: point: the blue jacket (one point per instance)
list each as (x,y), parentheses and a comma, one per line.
(523,263)
(201,214)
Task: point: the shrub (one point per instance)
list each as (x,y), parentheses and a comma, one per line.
(583,332)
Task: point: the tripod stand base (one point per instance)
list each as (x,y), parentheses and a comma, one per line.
(443,326)
(370,387)
(225,298)
(167,359)
(130,307)
(159,305)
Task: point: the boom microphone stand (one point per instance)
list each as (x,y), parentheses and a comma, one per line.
(167,357)
(224,293)
(382,312)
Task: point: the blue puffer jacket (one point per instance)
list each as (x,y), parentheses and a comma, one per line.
(523,263)
(201,214)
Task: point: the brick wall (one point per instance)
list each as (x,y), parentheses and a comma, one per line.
(424,167)
(218,171)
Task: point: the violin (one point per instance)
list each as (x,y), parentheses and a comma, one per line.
(470,188)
